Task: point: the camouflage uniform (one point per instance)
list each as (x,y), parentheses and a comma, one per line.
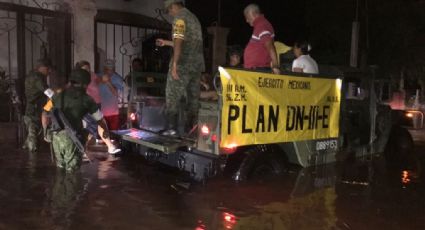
(75,103)
(35,85)
(191,63)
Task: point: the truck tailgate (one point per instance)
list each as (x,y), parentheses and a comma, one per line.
(166,144)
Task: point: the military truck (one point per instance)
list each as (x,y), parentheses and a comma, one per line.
(263,122)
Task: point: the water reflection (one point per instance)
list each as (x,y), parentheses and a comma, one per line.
(125,193)
(31,165)
(309,203)
(350,195)
(405,177)
(65,194)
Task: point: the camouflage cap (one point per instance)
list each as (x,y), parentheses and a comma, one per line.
(80,76)
(168,3)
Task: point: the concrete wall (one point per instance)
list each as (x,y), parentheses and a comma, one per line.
(144,7)
(84,12)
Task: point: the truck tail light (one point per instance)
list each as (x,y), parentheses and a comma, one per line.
(229,149)
(214,138)
(205,131)
(133,116)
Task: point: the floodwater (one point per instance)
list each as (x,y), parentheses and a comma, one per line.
(125,193)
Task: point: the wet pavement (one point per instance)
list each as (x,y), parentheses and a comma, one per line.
(126,193)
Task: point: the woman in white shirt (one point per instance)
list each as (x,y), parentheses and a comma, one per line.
(303,62)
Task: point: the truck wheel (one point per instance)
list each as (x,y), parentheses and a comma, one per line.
(260,163)
(399,152)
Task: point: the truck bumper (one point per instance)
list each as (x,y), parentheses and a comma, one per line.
(172,151)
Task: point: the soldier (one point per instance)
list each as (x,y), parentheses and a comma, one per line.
(36,90)
(74,103)
(186,65)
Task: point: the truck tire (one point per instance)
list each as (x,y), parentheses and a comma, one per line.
(399,152)
(260,162)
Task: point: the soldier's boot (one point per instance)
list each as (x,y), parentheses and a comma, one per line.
(30,144)
(171,128)
(73,162)
(191,126)
(32,135)
(25,145)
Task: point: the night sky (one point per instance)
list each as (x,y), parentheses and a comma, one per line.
(287,17)
(326,25)
(391,31)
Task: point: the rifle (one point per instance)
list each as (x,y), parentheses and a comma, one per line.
(60,122)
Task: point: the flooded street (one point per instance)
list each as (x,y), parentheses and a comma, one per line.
(126,193)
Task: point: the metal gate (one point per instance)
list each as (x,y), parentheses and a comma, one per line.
(26,35)
(123,36)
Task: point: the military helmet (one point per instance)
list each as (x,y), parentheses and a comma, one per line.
(80,76)
(168,3)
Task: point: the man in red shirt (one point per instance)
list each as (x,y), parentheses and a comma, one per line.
(260,52)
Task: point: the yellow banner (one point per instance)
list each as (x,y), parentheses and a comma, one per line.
(262,108)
